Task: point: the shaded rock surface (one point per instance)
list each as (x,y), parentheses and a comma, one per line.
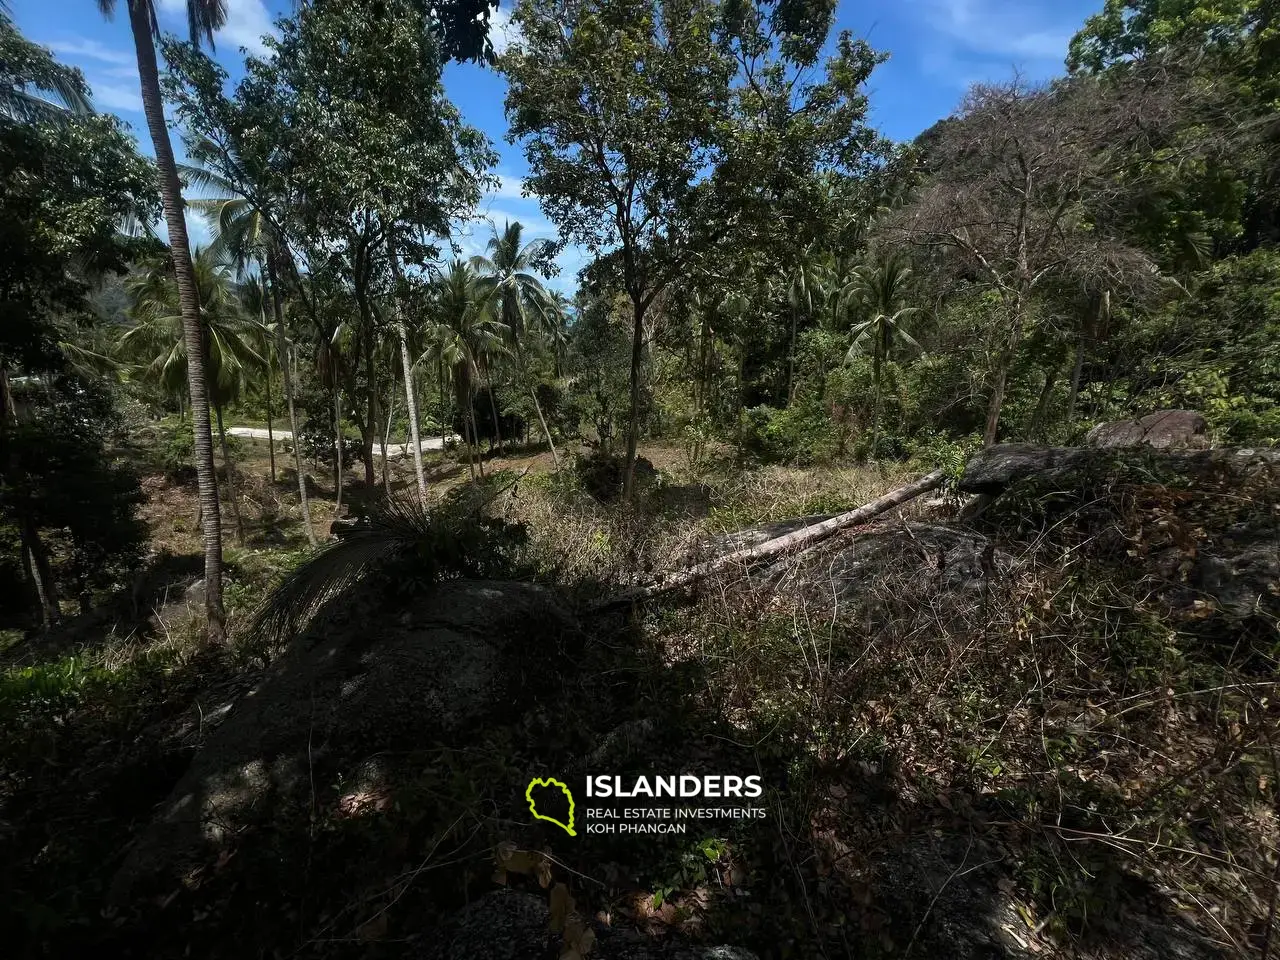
(997,468)
(930,556)
(352,686)
(1164,430)
(510,925)
(1193,557)
(953,886)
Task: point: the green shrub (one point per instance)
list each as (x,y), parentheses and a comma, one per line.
(801,434)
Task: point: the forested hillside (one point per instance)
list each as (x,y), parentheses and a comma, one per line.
(933,483)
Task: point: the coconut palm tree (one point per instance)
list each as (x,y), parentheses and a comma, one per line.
(507,276)
(464,338)
(203,17)
(242,235)
(876,294)
(805,289)
(156,343)
(557,315)
(46,90)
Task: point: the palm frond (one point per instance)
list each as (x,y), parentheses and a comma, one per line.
(450,540)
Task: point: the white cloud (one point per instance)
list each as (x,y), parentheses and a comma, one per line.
(248,21)
(81,47)
(198,232)
(116,97)
(502,33)
(1001,28)
(124,73)
(509,187)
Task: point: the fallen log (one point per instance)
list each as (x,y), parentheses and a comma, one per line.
(800,539)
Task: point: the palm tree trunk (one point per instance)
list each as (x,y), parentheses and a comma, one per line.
(391,415)
(36,562)
(229,469)
(497,426)
(337,437)
(192,328)
(444,412)
(282,351)
(410,395)
(791,358)
(411,406)
(875,410)
(555,458)
(271,437)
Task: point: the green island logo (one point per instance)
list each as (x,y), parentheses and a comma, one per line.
(550,782)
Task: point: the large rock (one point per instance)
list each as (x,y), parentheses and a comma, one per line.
(1164,430)
(509,925)
(995,469)
(350,687)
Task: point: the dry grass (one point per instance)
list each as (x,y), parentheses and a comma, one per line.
(1114,757)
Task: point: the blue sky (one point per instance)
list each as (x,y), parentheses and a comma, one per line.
(937,48)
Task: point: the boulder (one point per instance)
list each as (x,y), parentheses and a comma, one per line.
(350,687)
(1164,430)
(995,469)
(510,925)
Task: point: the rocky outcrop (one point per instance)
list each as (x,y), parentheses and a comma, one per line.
(354,684)
(1163,430)
(510,925)
(995,469)
(1216,540)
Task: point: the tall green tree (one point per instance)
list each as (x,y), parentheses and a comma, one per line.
(464,338)
(157,342)
(658,129)
(69,180)
(378,160)
(240,209)
(204,17)
(809,278)
(619,104)
(877,295)
(507,275)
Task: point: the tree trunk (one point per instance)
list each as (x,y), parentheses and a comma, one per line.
(282,351)
(370,425)
(555,458)
(788,543)
(493,412)
(1086,334)
(444,405)
(36,562)
(875,409)
(337,436)
(229,468)
(791,358)
(704,342)
(633,415)
(189,302)
(410,394)
(1005,360)
(271,437)
(386,470)
(1036,430)
(475,437)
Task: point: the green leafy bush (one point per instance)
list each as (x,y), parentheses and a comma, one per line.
(802,433)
